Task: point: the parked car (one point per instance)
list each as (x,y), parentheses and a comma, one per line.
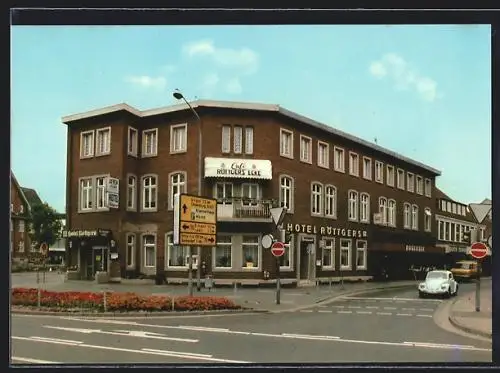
(465,270)
(438,283)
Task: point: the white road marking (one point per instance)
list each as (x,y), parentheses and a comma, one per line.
(48,340)
(32,361)
(384,313)
(339,306)
(426,309)
(68,341)
(306,336)
(364,312)
(424,315)
(408,309)
(403,314)
(203,328)
(344,311)
(439,345)
(325,311)
(390,308)
(308,311)
(372,307)
(395,299)
(354,307)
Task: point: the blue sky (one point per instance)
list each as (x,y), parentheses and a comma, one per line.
(422,91)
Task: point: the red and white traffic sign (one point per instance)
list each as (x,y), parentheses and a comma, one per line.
(44,248)
(478,250)
(278,249)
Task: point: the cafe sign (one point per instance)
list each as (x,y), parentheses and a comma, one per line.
(326,230)
(238,168)
(87,233)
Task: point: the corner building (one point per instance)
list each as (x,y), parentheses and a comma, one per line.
(354,208)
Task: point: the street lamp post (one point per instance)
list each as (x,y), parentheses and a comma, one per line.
(179,96)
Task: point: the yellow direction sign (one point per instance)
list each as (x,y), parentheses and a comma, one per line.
(197,239)
(197,221)
(199,228)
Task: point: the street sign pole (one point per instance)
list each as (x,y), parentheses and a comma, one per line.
(478,286)
(190,272)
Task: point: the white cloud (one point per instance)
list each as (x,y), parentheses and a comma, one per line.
(404,76)
(234,86)
(145,81)
(211,80)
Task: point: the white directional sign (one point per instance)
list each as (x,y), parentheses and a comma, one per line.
(480,210)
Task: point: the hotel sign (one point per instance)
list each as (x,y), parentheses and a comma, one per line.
(326,230)
(238,168)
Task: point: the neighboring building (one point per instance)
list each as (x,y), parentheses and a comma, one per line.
(20,244)
(57,251)
(354,207)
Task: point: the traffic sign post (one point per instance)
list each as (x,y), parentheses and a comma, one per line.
(278,250)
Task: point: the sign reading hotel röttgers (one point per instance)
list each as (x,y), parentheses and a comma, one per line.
(325,230)
(238,168)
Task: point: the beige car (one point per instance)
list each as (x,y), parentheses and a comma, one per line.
(465,270)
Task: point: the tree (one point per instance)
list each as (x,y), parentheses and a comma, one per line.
(46,225)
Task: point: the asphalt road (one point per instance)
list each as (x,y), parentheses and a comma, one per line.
(384,327)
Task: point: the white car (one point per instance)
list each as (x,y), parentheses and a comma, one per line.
(438,283)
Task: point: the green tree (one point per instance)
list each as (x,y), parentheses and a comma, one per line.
(45,224)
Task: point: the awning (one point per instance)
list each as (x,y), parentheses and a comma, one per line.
(238,168)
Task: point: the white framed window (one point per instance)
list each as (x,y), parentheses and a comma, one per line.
(440,230)
(176,254)
(316,198)
(237,139)
(367,168)
(305,149)
(250,251)
(178,138)
(149,193)
(86,194)
(361,254)
(87,144)
(285,260)
(364,208)
(382,209)
(149,247)
(130,254)
(391,212)
(131,192)
(352,205)
(414,217)
(323,154)
(353,164)
(150,142)
(461,232)
(379,172)
(328,257)
(420,185)
(390,175)
(407,215)
(132,142)
(251,193)
(401,178)
(286,192)
(248,140)
(442,205)
(20,227)
(226,139)
(224,193)
(100,195)
(454,208)
(345,254)
(20,246)
(178,185)
(410,182)
(330,201)
(286,143)
(223,253)
(448,206)
(338,159)
(103,141)
(428,187)
(447,231)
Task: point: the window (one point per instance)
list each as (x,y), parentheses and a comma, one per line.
(379,172)
(482,235)
(330,201)
(177,186)
(130,250)
(420,185)
(150,142)
(443,205)
(353,205)
(305,149)
(447,230)
(361,252)
(237,139)
(391,213)
(457,232)
(461,233)
(338,159)
(176,254)
(390,175)
(345,254)
(364,210)
(323,154)
(251,193)
(248,140)
(86,194)
(407,215)
(20,246)
(448,206)
(286,259)
(316,198)
(428,187)
(132,142)
(178,138)
(101,192)
(286,143)
(414,217)
(131,192)
(103,145)
(440,230)
(20,227)
(401,179)
(329,253)
(353,164)
(250,249)
(149,193)
(223,257)
(382,209)
(224,193)
(427,221)
(367,168)
(149,245)
(226,139)
(86,144)
(410,182)
(286,192)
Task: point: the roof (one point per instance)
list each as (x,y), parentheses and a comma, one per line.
(245,106)
(32,196)
(487,201)
(21,192)
(439,194)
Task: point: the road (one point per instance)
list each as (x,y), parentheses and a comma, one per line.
(384,327)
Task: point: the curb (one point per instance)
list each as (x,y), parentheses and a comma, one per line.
(464,328)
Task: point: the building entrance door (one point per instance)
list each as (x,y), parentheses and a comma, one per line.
(99,259)
(306,258)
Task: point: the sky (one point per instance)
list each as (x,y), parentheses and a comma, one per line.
(422,91)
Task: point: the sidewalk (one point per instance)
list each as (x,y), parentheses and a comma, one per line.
(463,313)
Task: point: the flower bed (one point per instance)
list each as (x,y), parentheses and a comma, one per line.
(117,302)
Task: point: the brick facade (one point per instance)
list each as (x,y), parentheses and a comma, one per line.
(20,243)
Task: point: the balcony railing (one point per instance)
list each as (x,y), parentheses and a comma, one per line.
(247,209)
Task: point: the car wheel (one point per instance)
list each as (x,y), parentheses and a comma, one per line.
(421,295)
(456,292)
(448,294)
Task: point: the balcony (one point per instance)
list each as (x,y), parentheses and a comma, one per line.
(244,209)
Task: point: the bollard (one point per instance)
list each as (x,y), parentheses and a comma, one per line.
(39,297)
(173,303)
(104,301)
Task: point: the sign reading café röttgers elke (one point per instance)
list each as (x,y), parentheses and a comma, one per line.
(238,168)
(326,230)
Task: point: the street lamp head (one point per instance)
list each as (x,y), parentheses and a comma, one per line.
(177,95)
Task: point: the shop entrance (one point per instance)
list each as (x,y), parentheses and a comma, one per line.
(307,255)
(97,261)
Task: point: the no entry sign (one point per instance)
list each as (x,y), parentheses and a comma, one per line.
(278,249)
(478,250)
